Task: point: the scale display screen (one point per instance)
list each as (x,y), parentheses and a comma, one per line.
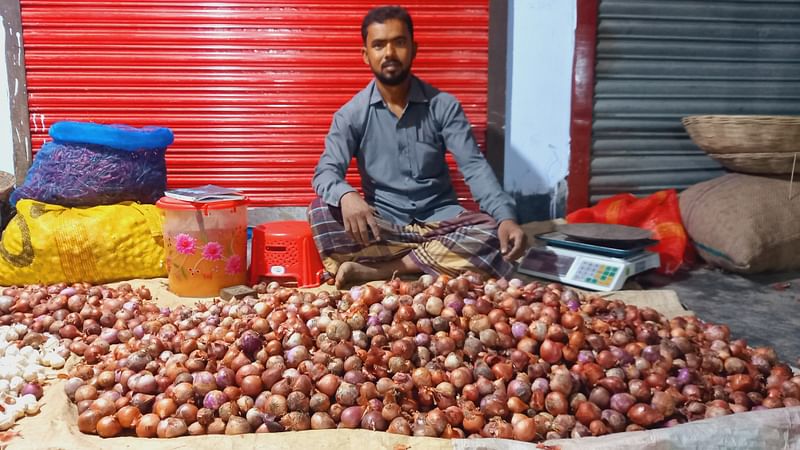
(542,261)
(586,270)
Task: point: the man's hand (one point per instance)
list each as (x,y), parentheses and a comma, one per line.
(511,234)
(358,218)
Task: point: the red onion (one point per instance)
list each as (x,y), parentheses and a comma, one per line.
(322,421)
(550,351)
(519,330)
(587,412)
(373,420)
(224,377)
(651,353)
(346,394)
(600,397)
(716,411)
(351,417)
(556,403)
(32,388)
(519,388)
(663,403)
(422,339)
(338,330)
(622,402)
(644,415)
(214,399)
(615,420)
(204,382)
(399,426)
(541,384)
(561,381)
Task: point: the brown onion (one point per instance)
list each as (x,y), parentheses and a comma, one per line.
(128,416)
(644,415)
(87,421)
(322,421)
(108,426)
(587,412)
(399,426)
(148,425)
(171,427)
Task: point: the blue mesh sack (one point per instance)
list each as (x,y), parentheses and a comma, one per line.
(89,164)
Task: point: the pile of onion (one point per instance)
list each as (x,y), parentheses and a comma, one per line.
(440,357)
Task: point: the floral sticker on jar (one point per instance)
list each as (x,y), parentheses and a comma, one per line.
(212,258)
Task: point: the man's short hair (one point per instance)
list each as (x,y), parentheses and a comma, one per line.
(383,13)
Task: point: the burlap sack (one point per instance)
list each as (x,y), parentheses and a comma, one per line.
(6,185)
(744,223)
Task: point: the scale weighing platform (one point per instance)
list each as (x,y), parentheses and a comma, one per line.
(588,265)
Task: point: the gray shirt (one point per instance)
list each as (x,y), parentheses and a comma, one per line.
(402,161)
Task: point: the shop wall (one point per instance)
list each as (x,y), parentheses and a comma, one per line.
(540,51)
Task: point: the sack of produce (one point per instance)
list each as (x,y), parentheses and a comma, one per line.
(89,164)
(744,223)
(46,244)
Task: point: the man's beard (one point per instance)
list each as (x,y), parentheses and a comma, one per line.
(394,79)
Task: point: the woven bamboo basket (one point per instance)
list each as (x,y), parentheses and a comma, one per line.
(721,134)
(749,144)
(759,163)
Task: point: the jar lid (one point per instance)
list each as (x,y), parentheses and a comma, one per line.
(174,204)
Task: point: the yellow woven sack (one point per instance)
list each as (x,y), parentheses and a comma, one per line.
(45,244)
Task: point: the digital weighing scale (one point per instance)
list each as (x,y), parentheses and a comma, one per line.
(599,265)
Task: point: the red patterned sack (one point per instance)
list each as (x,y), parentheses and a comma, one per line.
(659,213)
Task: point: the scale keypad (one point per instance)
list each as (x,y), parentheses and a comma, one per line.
(596,273)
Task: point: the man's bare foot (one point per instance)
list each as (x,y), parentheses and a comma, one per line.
(351,272)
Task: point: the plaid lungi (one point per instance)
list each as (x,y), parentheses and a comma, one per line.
(466,242)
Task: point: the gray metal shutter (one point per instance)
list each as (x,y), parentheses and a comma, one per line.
(660,60)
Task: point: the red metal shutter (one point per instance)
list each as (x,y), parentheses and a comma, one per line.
(248,87)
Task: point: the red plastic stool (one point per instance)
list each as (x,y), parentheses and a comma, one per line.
(285,252)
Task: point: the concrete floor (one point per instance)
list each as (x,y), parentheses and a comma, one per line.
(763,309)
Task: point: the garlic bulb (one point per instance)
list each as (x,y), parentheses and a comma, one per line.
(21,364)
(6,421)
